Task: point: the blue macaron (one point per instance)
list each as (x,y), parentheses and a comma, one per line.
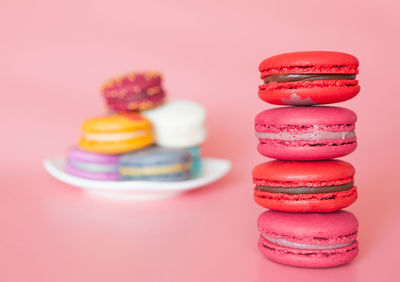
(197,164)
(156,164)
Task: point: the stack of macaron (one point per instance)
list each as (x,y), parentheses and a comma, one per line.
(305,187)
(141,137)
(180,125)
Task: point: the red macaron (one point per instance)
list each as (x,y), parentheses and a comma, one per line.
(318,186)
(309,78)
(135,91)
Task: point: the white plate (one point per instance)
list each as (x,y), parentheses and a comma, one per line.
(213,169)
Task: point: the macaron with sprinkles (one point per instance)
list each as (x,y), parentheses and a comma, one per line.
(309,78)
(308,239)
(116,133)
(318,186)
(135,91)
(156,164)
(306,133)
(91,165)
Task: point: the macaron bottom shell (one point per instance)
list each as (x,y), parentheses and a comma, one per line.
(136,105)
(171,172)
(304,93)
(179,176)
(116,147)
(307,258)
(322,202)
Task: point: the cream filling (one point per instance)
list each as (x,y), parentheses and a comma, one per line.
(318,135)
(114,136)
(92,167)
(148,170)
(285,243)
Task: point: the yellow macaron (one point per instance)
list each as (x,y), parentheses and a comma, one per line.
(116,133)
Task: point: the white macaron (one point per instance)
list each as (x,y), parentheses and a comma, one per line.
(178,124)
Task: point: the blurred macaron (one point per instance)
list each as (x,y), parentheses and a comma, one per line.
(156,164)
(116,133)
(178,124)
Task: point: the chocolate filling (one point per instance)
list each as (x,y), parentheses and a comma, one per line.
(306,77)
(306,190)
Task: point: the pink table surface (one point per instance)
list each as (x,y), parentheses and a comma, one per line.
(54,56)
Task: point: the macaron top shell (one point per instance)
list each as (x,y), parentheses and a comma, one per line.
(300,172)
(310,62)
(75,154)
(155,156)
(115,123)
(134,82)
(317,115)
(311,228)
(177,111)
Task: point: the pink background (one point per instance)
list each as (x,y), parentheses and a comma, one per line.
(54,56)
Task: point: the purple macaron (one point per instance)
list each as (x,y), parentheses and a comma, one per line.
(91,165)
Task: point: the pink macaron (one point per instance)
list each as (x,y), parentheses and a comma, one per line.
(306,133)
(308,239)
(91,165)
